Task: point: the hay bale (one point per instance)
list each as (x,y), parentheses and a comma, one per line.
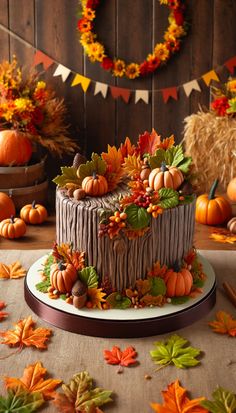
(211,142)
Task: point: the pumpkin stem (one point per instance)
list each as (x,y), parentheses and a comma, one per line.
(213,189)
(163,167)
(94,175)
(61,266)
(12,219)
(33,204)
(176,266)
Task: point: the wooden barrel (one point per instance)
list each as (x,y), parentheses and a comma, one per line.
(22,176)
(26,195)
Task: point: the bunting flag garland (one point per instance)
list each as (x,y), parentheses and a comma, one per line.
(142,96)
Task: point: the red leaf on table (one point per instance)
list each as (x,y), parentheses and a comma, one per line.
(123,358)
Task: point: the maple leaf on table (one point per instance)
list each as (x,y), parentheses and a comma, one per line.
(122,358)
(224,324)
(33,381)
(224,401)
(14,270)
(3,314)
(176,401)
(20,402)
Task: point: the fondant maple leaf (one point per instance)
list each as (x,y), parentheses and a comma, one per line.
(224,324)
(114,172)
(14,270)
(3,314)
(122,358)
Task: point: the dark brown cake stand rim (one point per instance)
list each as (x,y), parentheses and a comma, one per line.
(120,328)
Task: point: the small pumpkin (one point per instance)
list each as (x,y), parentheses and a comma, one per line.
(12,228)
(95,185)
(33,213)
(231,225)
(231,190)
(63,277)
(165,177)
(7,207)
(178,282)
(15,148)
(212,209)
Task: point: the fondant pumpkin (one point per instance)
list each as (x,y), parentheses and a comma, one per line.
(231,189)
(165,177)
(15,148)
(95,185)
(231,225)
(178,282)
(7,207)
(212,209)
(12,228)
(33,213)
(63,277)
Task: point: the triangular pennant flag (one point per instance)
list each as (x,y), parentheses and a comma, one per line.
(40,57)
(209,76)
(62,71)
(101,88)
(142,95)
(81,80)
(231,64)
(190,86)
(170,92)
(120,92)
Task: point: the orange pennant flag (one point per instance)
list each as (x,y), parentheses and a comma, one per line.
(170,92)
(120,92)
(231,64)
(40,57)
(209,76)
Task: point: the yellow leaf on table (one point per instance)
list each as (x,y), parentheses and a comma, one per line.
(14,270)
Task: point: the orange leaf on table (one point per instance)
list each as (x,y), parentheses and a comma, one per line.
(123,358)
(14,270)
(3,314)
(224,324)
(33,381)
(176,401)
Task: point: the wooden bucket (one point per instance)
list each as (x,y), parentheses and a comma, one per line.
(26,195)
(22,176)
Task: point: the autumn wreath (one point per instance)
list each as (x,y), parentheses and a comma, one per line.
(118,67)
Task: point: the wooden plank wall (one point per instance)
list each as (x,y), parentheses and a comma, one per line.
(128,32)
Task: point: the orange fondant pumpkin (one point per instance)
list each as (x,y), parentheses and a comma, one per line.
(63,277)
(178,282)
(7,207)
(212,209)
(12,228)
(15,148)
(231,190)
(33,213)
(95,185)
(165,177)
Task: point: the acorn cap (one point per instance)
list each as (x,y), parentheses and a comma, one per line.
(78,160)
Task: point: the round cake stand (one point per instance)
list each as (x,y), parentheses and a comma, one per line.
(119,323)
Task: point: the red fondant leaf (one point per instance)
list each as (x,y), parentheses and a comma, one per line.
(123,358)
(3,314)
(224,324)
(148,142)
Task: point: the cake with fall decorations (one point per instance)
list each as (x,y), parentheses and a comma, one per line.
(124,228)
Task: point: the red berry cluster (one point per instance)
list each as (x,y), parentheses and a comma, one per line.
(143,201)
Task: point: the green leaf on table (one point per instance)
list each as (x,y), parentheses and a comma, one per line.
(20,402)
(68,175)
(158,286)
(89,277)
(116,300)
(224,401)
(169,198)
(137,217)
(174,351)
(97,165)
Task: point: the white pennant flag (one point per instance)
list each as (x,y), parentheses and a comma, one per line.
(101,88)
(142,94)
(62,71)
(190,86)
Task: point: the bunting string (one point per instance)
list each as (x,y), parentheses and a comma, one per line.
(117,92)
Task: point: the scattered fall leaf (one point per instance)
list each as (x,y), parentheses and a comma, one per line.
(122,358)
(176,401)
(224,401)
(3,314)
(33,381)
(96,297)
(224,324)
(14,270)
(148,142)
(224,236)
(20,402)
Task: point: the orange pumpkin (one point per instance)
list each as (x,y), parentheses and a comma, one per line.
(12,228)
(231,190)
(7,207)
(33,213)
(95,185)
(165,177)
(178,282)
(15,148)
(63,277)
(212,209)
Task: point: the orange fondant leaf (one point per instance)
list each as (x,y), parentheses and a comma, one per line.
(132,165)
(167,143)
(148,142)
(224,324)
(123,358)
(96,297)
(157,300)
(176,401)
(14,270)
(33,381)
(3,314)
(157,270)
(126,148)
(114,172)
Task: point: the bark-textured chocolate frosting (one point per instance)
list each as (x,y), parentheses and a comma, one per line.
(169,238)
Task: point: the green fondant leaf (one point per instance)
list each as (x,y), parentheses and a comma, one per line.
(198,283)
(97,164)
(224,401)
(63,297)
(68,175)
(116,300)
(89,277)
(185,164)
(174,155)
(156,160)
(179,300)
(20,402)
(43,286)
(158,286)
(137,217)
(188,199)
(169,198)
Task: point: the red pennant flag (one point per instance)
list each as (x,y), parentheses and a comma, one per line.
(119,92)
(231,64)
(40,57)
(170,92)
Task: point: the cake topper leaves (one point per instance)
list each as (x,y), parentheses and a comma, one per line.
(20,401)
(224,324)
(174,350)
(158,286)
(124,358)
(116,300)
(80,396)
(132,165)
(68,175)
(96,164)
(127,148)
(148,142)
(89,277)
(224,401)
(169,198)
(176,401)
(174,155)
(14,270)
(156,160)
(114,172)
(96,297)
(185,164)
(137,217)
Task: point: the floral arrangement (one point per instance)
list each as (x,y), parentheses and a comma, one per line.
(224,103)
(117,66)
(29,106)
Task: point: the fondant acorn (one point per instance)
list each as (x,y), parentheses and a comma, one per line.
(79,294)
